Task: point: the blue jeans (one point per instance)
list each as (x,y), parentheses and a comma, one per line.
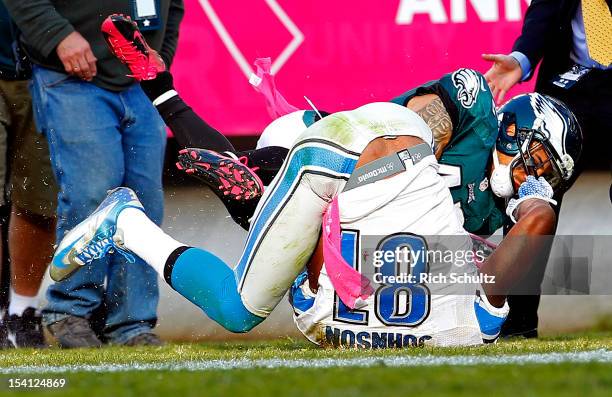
(99,140)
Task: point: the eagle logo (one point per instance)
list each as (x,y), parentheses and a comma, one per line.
(468,85)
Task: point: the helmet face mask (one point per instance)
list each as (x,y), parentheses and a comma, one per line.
(537,158)
(542,137)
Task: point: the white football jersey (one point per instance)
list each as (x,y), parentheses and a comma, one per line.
(286,225)
(399,211)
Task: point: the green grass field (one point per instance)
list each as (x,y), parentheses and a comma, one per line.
(571,365)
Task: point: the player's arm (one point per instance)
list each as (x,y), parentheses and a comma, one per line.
(432,111)
(525,245)
(459,102)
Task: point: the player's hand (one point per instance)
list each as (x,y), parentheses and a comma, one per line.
(503,75)
(532,188)
(76,56)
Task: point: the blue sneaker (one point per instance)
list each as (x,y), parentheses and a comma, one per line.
(95,237)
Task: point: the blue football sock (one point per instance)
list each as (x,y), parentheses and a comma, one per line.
(209,283)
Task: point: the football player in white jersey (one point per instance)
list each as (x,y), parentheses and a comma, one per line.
(412,200)
(533,121)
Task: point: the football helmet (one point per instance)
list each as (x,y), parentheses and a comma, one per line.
(540,134)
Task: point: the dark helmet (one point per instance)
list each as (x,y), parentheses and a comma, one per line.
(548,121)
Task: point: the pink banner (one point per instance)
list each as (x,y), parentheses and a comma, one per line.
(340,54)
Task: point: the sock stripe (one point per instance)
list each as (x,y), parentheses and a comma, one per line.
(164,97)
(169,266)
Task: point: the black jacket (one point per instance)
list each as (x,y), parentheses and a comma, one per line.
(45,23)
(8,35)
(547,37)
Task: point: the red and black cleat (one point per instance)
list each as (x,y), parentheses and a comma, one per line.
(127,44)
(228,178)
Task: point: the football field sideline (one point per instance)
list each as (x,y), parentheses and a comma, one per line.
(603,356)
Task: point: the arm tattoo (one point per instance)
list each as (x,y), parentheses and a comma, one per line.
(439,121)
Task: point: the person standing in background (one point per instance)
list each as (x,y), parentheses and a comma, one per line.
(573,41)
(103,132)
(31,191)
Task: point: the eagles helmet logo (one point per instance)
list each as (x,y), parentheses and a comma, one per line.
(468,85)
(547,117)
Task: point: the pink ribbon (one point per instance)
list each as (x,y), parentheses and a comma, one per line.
(349,284)
(276,104)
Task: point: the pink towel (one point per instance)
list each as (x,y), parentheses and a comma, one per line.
(263,82)
(350,285)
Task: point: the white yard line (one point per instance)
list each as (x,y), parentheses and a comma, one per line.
(597,356)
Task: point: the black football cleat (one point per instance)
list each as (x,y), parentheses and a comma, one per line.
(236,184)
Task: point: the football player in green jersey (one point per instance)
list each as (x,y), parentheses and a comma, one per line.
(460,111)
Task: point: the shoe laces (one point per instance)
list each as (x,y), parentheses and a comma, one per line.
(136,59)
(127,51)
(99,245)
(245,161)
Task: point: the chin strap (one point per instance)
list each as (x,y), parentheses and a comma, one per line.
(495,158)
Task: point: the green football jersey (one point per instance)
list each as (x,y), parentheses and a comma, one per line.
(466,160)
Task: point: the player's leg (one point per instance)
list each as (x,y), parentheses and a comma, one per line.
(267,161)
(282,238)
(240,185)
(189,129)
(237,185)
(197,274)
